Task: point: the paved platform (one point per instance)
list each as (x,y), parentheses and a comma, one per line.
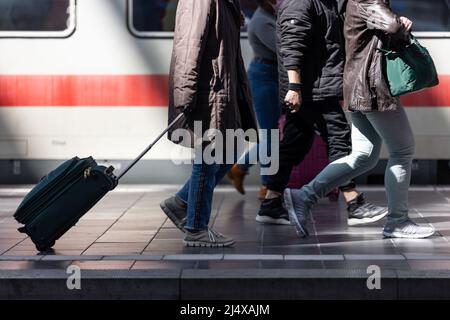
(126,241)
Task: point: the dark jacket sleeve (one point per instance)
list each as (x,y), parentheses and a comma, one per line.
(295,32)
(378,15)
(191,33)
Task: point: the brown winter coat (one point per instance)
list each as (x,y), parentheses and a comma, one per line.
(369,24)
(207,72)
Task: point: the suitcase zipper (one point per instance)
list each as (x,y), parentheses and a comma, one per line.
(67,180)
(35,198)
(86,174)
(27,215)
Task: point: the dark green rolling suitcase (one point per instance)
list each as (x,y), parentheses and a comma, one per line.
(62,197)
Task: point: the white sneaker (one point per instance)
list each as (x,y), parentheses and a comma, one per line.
(408,229)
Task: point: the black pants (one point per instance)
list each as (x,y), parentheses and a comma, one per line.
(328,119)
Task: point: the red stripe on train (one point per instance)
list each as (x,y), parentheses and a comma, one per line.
(438,96)
(84,91)
(134,91)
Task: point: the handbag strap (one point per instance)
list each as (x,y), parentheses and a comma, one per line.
(387,53)
(413,40)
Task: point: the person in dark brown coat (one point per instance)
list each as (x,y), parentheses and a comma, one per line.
(208,82)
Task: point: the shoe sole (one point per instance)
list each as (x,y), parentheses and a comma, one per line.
(301,232)
(172,216)
(270,220)
(363,221)
(405,236)
(207,244)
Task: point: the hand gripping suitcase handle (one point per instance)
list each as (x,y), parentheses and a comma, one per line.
(132,164)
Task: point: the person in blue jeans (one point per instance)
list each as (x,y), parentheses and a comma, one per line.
(263,77)
(208,83)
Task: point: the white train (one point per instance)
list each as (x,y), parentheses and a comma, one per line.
(89,77)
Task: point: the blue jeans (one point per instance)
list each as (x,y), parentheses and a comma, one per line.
(198,193)
(264,85)
(369,131)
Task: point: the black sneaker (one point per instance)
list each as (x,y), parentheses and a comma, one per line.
(361,212)
(175,209)
(273,212)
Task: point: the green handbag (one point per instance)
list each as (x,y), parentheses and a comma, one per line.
(409,69)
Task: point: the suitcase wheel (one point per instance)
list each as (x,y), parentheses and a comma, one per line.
(22,230)
(44,247)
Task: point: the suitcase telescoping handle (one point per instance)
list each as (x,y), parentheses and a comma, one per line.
(132,164)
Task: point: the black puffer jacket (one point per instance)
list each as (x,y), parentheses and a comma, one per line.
(310,38)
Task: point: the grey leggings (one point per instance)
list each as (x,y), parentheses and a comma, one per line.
(369,131)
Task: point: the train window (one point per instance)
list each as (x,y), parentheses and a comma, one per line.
(152,17)
(427,16)
(37,18)
(156,18)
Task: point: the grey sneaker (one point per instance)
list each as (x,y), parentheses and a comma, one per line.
(175,209)
(362,212)
(298,211)
(206,238)
(408,229)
